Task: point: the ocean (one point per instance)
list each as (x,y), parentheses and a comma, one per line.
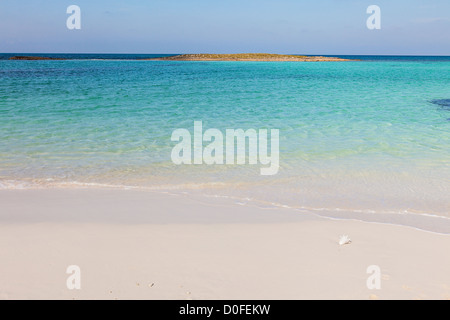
(366,140)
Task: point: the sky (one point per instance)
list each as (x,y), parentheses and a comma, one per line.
(408,27)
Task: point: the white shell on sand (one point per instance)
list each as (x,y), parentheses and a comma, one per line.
(343,240)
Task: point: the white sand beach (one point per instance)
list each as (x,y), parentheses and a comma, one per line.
(145,245)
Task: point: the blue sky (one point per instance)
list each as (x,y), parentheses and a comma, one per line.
(231,26)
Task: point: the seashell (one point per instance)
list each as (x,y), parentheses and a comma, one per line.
(343,240)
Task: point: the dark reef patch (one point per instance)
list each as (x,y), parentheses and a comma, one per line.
(33,58)
(444,103)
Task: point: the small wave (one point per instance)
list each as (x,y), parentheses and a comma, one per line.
(52,184)
(14,185)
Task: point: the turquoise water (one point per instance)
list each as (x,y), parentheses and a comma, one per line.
(361,137)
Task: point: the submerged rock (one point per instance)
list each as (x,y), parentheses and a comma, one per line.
(444,103)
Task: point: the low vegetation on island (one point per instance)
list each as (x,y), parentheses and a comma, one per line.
(247,57)
(220,57)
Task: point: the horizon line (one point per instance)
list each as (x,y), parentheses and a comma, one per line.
(304,54)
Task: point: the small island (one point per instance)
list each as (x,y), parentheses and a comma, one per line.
(33,58)
(263,57)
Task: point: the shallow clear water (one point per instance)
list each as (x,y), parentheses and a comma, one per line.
(361,137)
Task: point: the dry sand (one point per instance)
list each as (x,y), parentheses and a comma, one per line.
(142,245)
